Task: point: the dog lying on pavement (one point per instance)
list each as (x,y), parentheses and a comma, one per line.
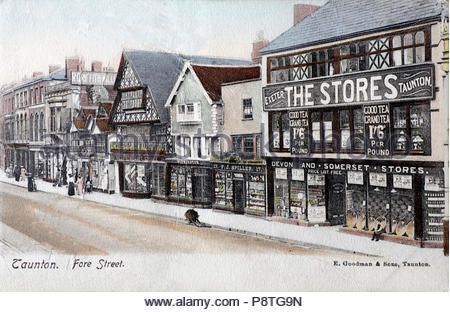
(192,216)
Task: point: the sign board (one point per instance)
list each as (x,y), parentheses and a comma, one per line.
(299,123)
(394,84)
(377,124)
(88,78)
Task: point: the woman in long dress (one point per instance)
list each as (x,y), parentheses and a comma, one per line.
(80,185)
(71,190)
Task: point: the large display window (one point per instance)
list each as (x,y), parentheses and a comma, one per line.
(158,178)
(298,194)
(134,178)
(355,200)
(256,194)
(281,193)
(316,197)
(402,206)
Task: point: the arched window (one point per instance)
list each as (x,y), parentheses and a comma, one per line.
(409,52)
(36,127)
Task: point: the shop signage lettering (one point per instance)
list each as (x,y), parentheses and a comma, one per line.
(240,168)
(93,78)
(377,120)
(394,84)
(299,123)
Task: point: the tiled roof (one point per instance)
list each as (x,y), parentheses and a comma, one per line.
(79,123)
(341,19)
(107,107)
(212,77)
(88,112)
(56,75)
(160,70)
(103,125)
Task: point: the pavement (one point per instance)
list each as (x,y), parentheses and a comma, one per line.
(328,236)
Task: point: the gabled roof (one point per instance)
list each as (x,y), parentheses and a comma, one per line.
(79,123)
(160,70)
(103,125)
(211,77)
(342,19)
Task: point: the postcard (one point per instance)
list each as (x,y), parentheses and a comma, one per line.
(224,146)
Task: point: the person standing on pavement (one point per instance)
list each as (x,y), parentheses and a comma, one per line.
(23,173)
(58,177)
(17,173)
(71,189)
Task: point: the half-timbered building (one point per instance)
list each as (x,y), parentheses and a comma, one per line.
(353,100)
(144,82)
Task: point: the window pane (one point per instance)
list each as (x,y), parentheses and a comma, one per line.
(420,128)
(400,136)
(286,131)
(344,123)
(328,129)
(397,42)
(420,37)
(420,54)
(275,131)
(409,55)
(315,118)
(407,40)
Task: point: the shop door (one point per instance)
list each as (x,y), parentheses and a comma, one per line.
(336,199)
(239,199)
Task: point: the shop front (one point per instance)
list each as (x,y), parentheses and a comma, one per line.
(189,182)
(405,201)
(140,175)
(239,188)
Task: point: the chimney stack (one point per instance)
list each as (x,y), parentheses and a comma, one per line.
(303,10)
(96,66)
(73,63)
(258,44)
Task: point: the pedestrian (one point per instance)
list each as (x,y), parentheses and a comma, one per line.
(31,184)
(23,173)
(71,190)
(17,173)
(88,185)
(80,185)
(379,228)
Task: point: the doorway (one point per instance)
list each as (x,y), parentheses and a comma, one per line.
(239,198)
(336,199)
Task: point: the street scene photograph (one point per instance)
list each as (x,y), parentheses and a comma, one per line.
(224,146)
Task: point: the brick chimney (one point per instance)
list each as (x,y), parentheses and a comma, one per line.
(258,44)
(73,64)
(303,10)
(37,74)
(96,66)
(53,68)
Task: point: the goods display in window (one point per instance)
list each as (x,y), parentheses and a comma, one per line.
(356,203)
(256,194)
(220,187)
(316,197)
(434,205)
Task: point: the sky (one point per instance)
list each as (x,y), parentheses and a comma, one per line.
(37,33)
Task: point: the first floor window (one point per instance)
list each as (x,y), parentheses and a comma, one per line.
(248,108)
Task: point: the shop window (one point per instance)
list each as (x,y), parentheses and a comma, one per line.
(201,183)
(247,108)
(358,130)
(158,178)
(344,123)
(316,134)
(328,130)
(134,178)
(298,194)
(411,126)
(281,193)
(178,182)
(256,194)
(220,188)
